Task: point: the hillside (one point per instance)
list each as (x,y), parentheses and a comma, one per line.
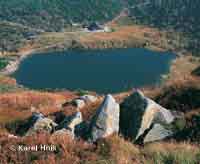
(53,15)
(13,36)
(179,15)
(149,125)
(17,109)
(183,15)
(22,20)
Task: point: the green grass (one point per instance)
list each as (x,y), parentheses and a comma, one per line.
(81,92)
(3,63)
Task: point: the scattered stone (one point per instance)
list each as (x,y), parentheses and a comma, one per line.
(43,124)
(89,98)
(138,114)
(71,122)
(12,136)
(62,132)
(106,120)
(79,103)
(29,123)
(36,116)
(158,132)
(196,72)
(75,120)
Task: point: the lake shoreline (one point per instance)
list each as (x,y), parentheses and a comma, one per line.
(131,58)
(130,37)
(14,64)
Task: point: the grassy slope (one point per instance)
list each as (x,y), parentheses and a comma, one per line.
(121,37)
(16,107)
(13,36)
(113,150)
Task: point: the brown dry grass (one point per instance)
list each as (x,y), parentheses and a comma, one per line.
(113,150)
(128,36)
(125,32)
(118,150)
(15,106)
(7,80)
(181,70)
(68,150)
(171,152)
(89,110)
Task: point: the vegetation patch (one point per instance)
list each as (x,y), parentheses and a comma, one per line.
(196,71)
(180,98)
(3,63)
(4,88)
(57,14)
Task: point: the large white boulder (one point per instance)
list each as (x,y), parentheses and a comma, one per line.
(106,120)
(158,132)
(138,114)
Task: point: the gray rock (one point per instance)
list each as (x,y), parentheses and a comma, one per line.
(158,132)
(29,123)
(138,113)
(43,124)
(71,122)
(89,98)
(106,120)
(79,103)
(36,116)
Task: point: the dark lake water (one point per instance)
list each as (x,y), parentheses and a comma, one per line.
(102,71)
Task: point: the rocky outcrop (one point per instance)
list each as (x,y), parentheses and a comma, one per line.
(36,116)
(196,72)
(29,123)
(158,132)
(106,120)
(137,118)
(42,124)
(142,118)
(70,123)
(83,100)
(89,98)
(79,103)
